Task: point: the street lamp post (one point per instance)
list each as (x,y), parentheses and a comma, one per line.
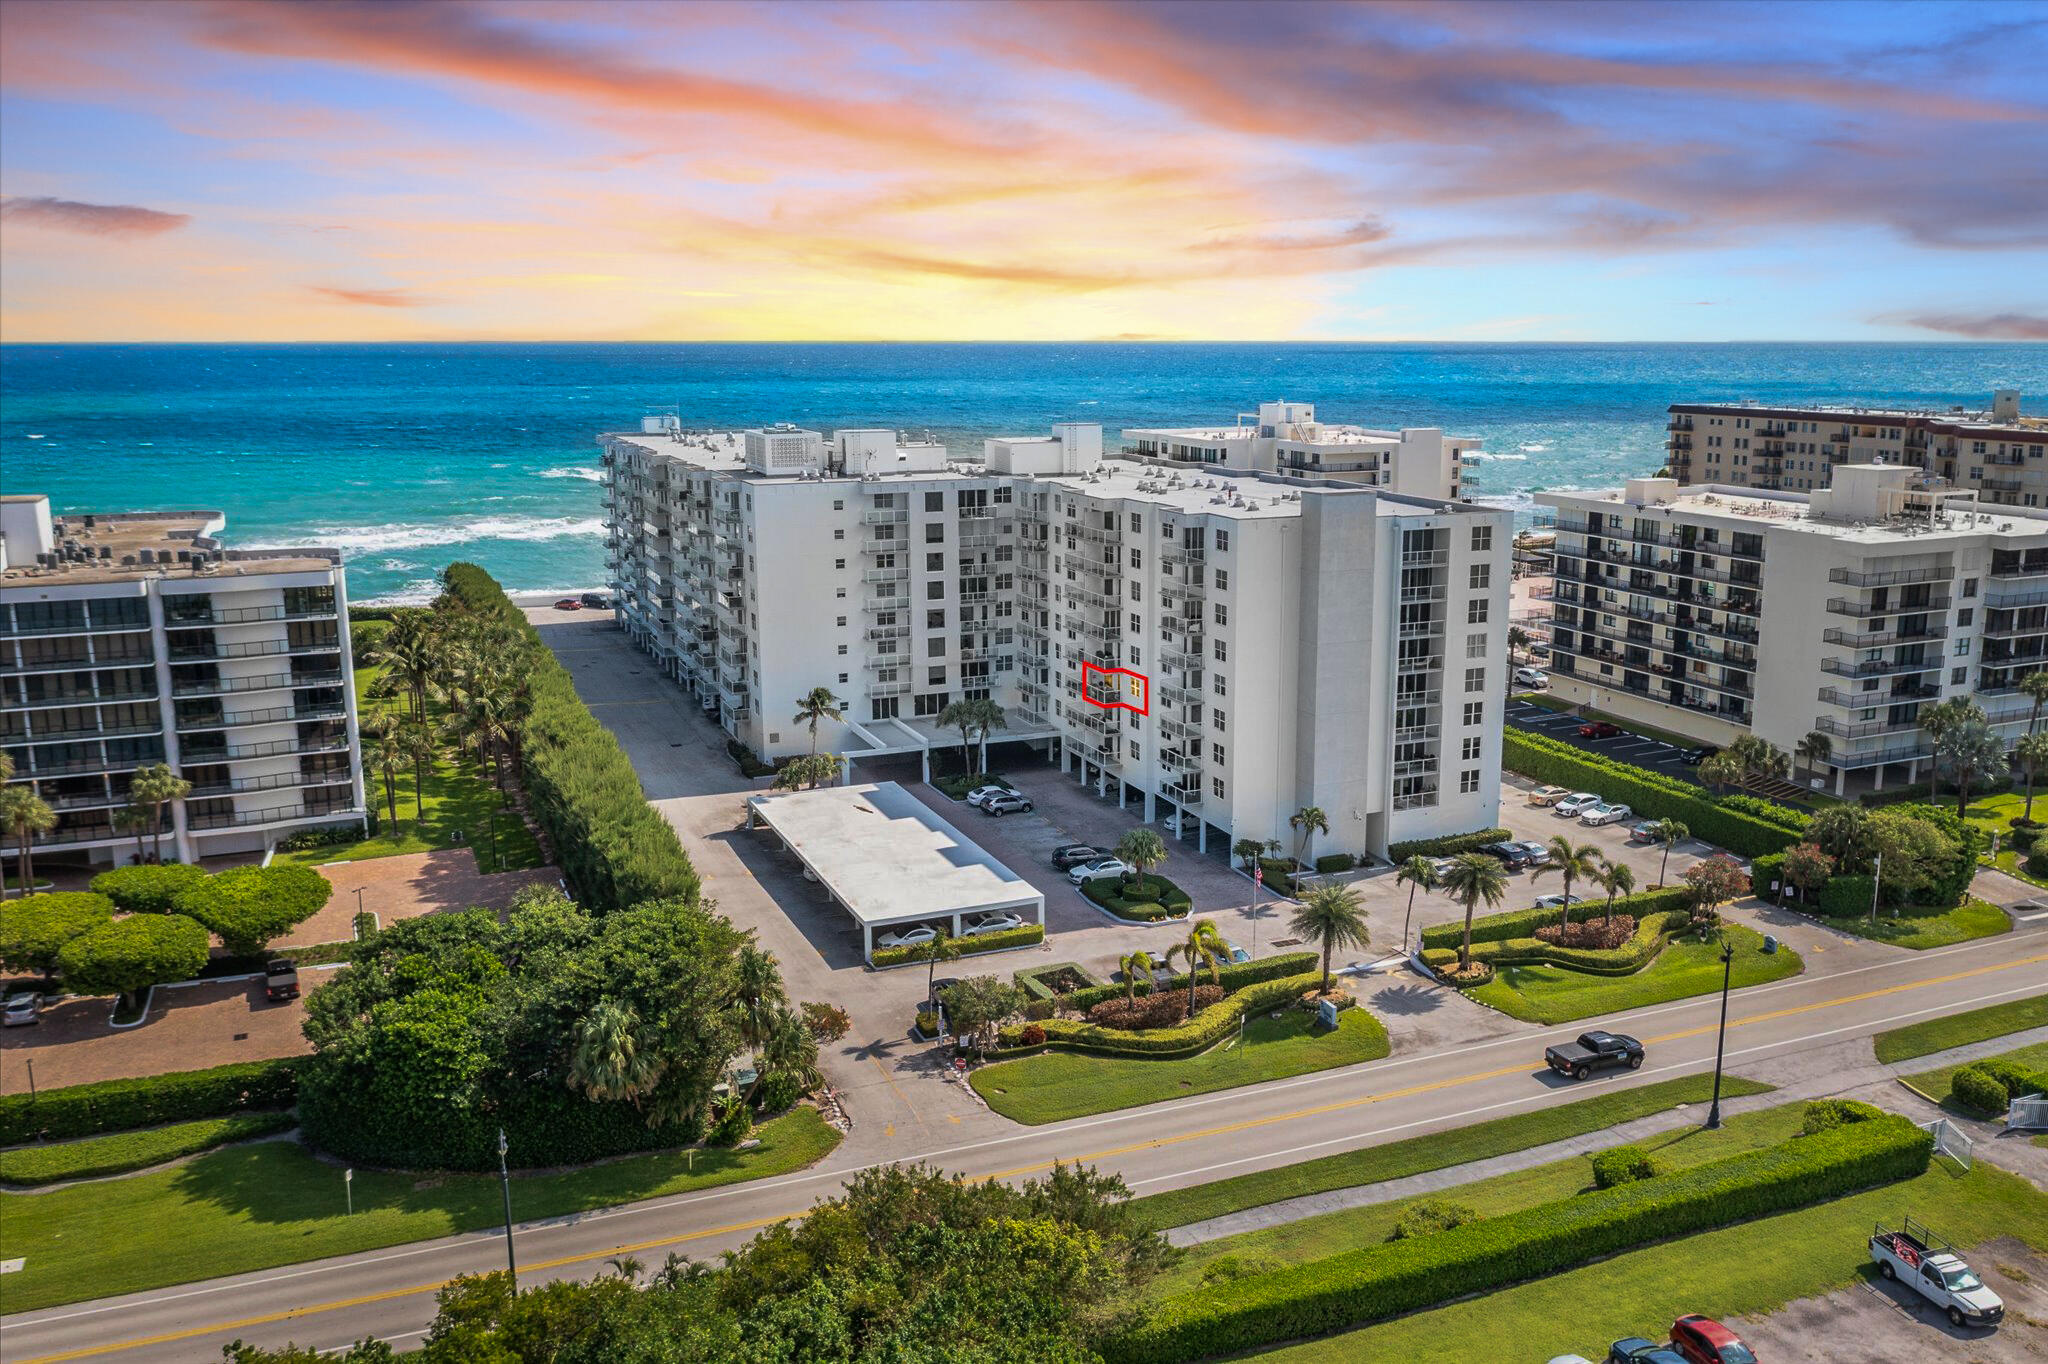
(1721,1041)
(505,1180)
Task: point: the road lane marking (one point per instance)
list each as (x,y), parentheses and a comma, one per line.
(1155,1143)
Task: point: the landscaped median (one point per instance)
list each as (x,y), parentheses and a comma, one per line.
(967,945)
(1409,1274)
(122,1152)
(1959,1030)
(1146,899)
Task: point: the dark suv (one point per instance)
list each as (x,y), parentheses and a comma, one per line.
(1071,855)
(1513,855)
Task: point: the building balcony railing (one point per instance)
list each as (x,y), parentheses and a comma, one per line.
(1892,577)
(194,754)
(1854,761)
(2015,629)
(1182,554)
(885,516)
(1878,667)
(968,512)
(1863,729)
(888,688)
(1866,700)
(277,814)
(270,716)
(885,575)
(1880,639)
(124,627)
(72,665)
(2008,569)
(1845,606)
(69,699)
(280,781)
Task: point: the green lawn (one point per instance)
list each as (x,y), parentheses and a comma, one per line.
(121,1152)
(1056,1085)
(271,1203)
(1437,1151)
(1753,1267)
(1959,1030)
(1316,1238)
(1994,814)
(1934,1083)
(1920,927)
(1556,994)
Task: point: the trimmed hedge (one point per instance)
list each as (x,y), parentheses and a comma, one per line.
(115,1105)
(1278,875)
(1198,1034)
(1376,1282)
(1334,862)
(147,889)
(1021,936)
(1031,980)
(1619,1165)
(1844,897)
(1523,923)
(1737,823)
(1107,892)
(1448,846)
(1653,931)
(121,1152)
(1987,1086)
(1231,978)
(613,847)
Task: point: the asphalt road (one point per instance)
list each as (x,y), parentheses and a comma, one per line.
(389,1293)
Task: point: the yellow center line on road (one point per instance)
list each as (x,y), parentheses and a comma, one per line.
(1153,1144)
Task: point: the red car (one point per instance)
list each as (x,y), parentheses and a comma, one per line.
(1705,1341)
(1599,729)
(568,604)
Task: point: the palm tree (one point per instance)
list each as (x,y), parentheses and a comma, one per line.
(416,742)
(1132,966)
(1814,750)
(1573,861)
(156,786)
(1670,833)
(1204,946)
(931,954)
(412,654)
(1723,769)
(1937,721)
(814,705)
(609,1061)
(1309,819)
(2032,755)
(787,1048)
(1144,850)
(1968,752)
(389,755)
(133,820)
(1417,873)
(1332,915)
(1616,879)
(1471,878)
(26,814)
(977,716)
(757,993)
(1518,640)
(2034,686)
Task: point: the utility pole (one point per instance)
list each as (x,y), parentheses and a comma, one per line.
(505,1180)
(1721,1041)
(1875,877)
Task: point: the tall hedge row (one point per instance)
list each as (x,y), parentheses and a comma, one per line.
(116,1105)
(1450,845)
(1523,923)
(1382,1281)
(613,847)
(1734,822)
(1653,931)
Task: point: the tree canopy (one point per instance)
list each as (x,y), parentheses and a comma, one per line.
(129,955)
(250,906)
(33,929)
(145,889)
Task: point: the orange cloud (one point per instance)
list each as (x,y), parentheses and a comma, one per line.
(371,298)
(92,220)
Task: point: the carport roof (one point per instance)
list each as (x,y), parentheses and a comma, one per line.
(888,857)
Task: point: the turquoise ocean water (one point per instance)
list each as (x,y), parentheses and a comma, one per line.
(408,456)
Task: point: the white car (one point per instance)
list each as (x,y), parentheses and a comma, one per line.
(993,923)
(1180,824)
(1531,677)
(1108,866)
(20,1010)
(1604,814)
(907,937)
(1559,901)
(981,794)
(1576,804)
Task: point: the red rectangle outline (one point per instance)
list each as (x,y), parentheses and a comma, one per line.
(1087,667)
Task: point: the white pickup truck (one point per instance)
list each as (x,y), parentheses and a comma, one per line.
(1915,1256)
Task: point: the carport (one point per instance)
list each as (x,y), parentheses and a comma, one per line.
(889,860)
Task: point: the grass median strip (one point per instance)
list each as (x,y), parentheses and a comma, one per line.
(1436,1151)
(1686,967)
(1934,1084)
(122,1152)
(1057,1085)
(271,1203)
(1920,927)
(1960,1030)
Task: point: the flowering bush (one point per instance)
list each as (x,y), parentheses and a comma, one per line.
(1600,934)
(1160,1010)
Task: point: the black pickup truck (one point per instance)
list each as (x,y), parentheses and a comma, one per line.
(280,979)
(1594,1051)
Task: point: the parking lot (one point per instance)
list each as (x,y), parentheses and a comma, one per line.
(1639,749)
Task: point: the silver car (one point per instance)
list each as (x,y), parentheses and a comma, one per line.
(18,1011)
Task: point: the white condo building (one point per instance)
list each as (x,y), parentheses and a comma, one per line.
(133,638)
(1295,640)
(1715,611)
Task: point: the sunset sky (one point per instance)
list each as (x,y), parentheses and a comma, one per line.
(582,170)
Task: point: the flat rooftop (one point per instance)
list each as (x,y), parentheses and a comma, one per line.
(111,539)
(889,858)
(1750,510)
(1975,420)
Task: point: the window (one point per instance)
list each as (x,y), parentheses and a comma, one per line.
(1222,614)
(935,677)
(1216,719)
(1216,754)
(1958,676)
(1475,712)
(839,504)
(1222,581)
(1222,685)
(1962,648)
(1223,539)
(934,620)
(934,590)
(842,679)
(839,592)
(1482,540)
(842,651)
(1137,555)
(934,502)
(839,533)
(1135,594)
(1005,493)
(884,707)
(1216,787)
(1469,750)
(935,563)
(1468,781)
(935,532)
(1475,645)
(842,621)
(1222,654)
(1476,611)
(1969,587)
(1475,679)
(1966,615)
(1137,523)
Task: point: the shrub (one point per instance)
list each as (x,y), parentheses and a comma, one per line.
(1278,876)
(1845,897)
(1381,1281)
(1652,932)
(126,1151)
(927,1022)
(2037,861)
(1031,1035)
(2023,838)
(1742,824)
(1205,1029)
(1022,936)
(1825,1115)
(1430,1216)
(732,1127)
(115,1105)
(1476,974)
(129,955)
(1619,1165)
(1601,935)
(1161,1009)
(1989,1085)
(330,836)
(1231,978)
(35,928)
(1038,1010)
(1523,923)
(1225,1268)
(613,847)
(1450,845)
(147,889)
(1054,980)
(750,765)
(1150,900)
(1333,862)
(779,1090)
(249,906)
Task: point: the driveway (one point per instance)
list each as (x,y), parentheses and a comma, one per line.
(407,886)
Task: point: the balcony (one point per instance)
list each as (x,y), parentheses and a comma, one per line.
(1897,577)
(879,688)
(68,699)
(281,781)
(229,819)
(1878,667)
(1866,700)
(1880,639)
(884,516)
(69,665)
(885,575)
(1843,606)
(270,716)
(1853,761)
(1864,729)
(1183,554)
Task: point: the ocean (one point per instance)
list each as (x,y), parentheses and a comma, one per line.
(409,456)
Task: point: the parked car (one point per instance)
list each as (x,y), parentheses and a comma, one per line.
(1644,832)
(1537,853)
(597,601)
(569,604)
(1549,795)
(907,937)
(1575,804)
(1599,729)
(1637,1350)
(1929,1265)
(1569,1359)
(1068,856)
(1559,901)
(1235,955)
(1594,1051)
(1104,866)
(280,979)
(1008,803)
(19,1011)
(1512,855)
(994,923)
(1531,677)
(1442,866)
(1177,825)
(1538,651)
(980,795)
(1693,757)
(1702,1340)
(1604,814)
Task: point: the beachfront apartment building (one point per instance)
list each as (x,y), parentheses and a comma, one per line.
(1999,453)
(1286,437)
(1718,610)
(1218,646)
(133,638)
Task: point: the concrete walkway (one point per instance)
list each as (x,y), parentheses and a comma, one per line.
(1848,1070)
